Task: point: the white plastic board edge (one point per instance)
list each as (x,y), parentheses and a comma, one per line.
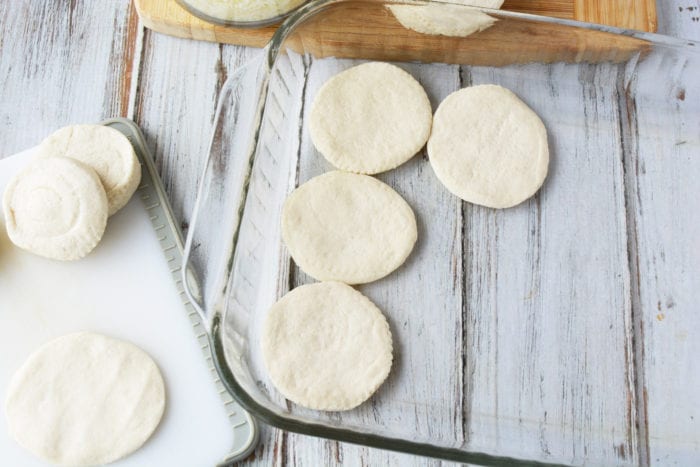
(245,427)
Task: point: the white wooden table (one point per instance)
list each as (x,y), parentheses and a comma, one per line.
(75,61)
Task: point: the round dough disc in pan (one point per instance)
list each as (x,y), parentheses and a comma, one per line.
(488,147)
(370,118)
(55,207)
(104,149)
(347,227)
(326,346)
(85,399)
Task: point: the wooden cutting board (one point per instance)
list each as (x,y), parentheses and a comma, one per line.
(166,16)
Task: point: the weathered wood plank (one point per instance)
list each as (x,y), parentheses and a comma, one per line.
(679,18)
(547,286)
(167,17)
(662,164)
(175,108)
(58,66)
(304,451)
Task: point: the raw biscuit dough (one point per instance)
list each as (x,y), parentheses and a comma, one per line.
(446,20)
(347,227)
(55,207)
(326,346)
(488,147)
(104,149)
(85,399)
(370,118)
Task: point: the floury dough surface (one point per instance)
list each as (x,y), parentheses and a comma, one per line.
(85,399)
(55,207)
(326,346)
(244,10)
(488,147)
(107,151)
(347,227)
(370,118)
(446,20)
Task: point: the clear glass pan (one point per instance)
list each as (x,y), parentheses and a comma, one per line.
(564,330)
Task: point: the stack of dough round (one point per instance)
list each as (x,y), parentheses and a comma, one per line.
(57,207)
(370,118)
(106,151)
(85,399)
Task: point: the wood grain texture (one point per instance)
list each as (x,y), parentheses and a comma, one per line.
(167,17)
(553,386)
(178,129)
(369,30)
(662,163)
(628,14)
(58,65)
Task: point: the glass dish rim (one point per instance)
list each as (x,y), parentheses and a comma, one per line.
(235,24)
(214,326)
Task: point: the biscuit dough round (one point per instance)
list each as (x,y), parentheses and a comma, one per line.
(104,149)
(488,147)
(326,346)
(370,118)
(347,227)
(85,399)
(55,207)
(445,19)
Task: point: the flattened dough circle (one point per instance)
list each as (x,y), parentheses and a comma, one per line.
(326,346)
(55,207)
(446,20)
(85,399)
(347,227)
(104,149)
(488,147)
(370,118)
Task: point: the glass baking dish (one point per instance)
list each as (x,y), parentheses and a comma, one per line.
(564,330)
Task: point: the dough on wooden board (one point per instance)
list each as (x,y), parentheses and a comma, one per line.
(348,227)
(55,207)
(104,149)
(326,346)
(85,399)
(488,147)
(370,118)
(446,20)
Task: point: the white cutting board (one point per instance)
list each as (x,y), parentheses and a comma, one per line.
(123,289)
